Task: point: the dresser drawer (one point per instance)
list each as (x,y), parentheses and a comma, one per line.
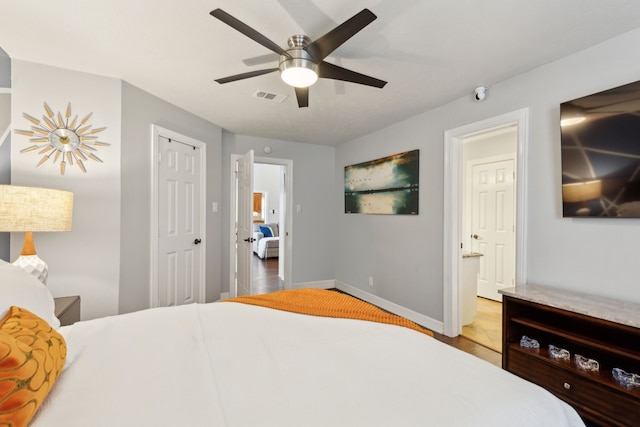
(597,401)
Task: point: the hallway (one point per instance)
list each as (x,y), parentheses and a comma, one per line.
(265,275)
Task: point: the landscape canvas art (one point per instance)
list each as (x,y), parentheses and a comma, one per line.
(386,186)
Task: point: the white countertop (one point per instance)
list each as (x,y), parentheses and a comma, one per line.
(622,312)
(471,254)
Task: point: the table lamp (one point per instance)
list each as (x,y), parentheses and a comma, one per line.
(32,209)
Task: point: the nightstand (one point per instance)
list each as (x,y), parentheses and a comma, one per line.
(67,310)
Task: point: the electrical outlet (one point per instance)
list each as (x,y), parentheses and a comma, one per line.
(370,281)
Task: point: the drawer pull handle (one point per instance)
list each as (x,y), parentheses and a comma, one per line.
(567,386)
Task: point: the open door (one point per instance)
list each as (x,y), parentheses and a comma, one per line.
(244,224)
(241,252)
(492,213)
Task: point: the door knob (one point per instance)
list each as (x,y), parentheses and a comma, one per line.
(249,240)
(197,242)
(475,236)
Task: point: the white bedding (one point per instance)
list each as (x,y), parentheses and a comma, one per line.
(230,364)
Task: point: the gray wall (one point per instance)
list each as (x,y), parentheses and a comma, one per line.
(5,146)
(5,69)
(313,228)
(139,111)
(404,254)
(85,260)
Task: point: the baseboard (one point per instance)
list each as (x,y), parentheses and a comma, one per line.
(420,319)
(224,295)
(321,284)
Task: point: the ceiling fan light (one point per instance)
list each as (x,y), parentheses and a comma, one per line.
(298,72)
(298,69)
(299,76)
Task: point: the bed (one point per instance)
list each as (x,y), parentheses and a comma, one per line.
(236,363)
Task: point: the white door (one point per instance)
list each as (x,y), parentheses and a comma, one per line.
(244,225)
(179,238)
(493,225)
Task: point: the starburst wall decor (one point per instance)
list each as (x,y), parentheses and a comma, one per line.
(68,140)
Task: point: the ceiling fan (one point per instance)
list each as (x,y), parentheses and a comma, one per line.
(303,62)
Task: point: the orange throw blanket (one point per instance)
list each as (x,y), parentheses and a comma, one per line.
(321,302)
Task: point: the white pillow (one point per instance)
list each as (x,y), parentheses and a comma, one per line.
(19,288)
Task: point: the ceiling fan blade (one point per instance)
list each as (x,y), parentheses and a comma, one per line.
(247,31)
(267,58)
(331,71)
(246,75)
(323,46)
(302,93)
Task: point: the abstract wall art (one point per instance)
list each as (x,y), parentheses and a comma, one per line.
(600,136)
(386,186)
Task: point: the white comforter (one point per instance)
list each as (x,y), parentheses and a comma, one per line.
(230,364)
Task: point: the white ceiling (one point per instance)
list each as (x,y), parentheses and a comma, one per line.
(430,51)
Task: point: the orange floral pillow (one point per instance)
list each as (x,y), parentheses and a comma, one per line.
(32,355)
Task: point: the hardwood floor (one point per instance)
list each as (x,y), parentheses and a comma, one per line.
(265,275)
(472,347)
(486,328)
(266,280)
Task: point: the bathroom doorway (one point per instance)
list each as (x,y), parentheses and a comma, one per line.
(488,206)
(488,212)
(484,214)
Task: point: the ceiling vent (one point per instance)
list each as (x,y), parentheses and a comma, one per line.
(269,96)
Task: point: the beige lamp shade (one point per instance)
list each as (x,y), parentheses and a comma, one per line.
(581,191)
(35,209)
(31,209)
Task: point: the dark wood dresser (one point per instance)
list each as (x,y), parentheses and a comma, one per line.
(600,329)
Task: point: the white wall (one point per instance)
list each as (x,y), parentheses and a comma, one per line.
(266,179)
(404,254)
(314,227)
(86,260)
(499,142)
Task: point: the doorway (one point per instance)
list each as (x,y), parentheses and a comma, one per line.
(458,237)
(269,196)
(488,207)
(488,210)
(280,213)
